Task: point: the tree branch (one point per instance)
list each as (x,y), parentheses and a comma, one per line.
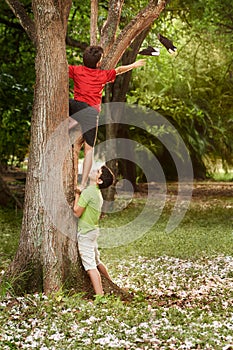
(109,29)
(143,20)
(93,24)
(122,81)
(63,8)
(76,43)
(26,22)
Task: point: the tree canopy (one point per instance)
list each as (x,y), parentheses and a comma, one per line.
(193,90)
(17,79)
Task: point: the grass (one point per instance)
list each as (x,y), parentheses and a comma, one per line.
(10,223)
(183,285)
(223,176)
(206,230)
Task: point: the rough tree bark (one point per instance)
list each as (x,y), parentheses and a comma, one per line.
(109,29)
(47,259)
(94,19)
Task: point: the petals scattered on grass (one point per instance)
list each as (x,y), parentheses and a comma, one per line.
(178,304)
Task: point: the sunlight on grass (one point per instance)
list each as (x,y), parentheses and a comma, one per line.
(223,176)
(205,230)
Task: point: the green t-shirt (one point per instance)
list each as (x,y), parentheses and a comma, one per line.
(91,199)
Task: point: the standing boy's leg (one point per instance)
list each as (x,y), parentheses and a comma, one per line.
(96,281)
(102,269)
(87,246)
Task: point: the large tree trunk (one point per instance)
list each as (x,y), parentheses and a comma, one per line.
(47,257)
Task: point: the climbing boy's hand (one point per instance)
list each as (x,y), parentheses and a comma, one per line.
(124,69)
(140,63)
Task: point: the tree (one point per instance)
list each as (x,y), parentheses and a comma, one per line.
(193,89)
(46,258)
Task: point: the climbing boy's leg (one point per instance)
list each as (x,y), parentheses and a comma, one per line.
(72,123)
(76,150)
(87,117)
(87,164)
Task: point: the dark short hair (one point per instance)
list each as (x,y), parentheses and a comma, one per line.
(92,55)
(107,177)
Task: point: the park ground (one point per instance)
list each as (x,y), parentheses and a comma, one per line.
(182,285)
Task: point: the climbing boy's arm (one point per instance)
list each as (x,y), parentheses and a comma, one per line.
(124,69)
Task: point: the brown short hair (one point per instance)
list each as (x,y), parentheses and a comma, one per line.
(92,55)
(107,177)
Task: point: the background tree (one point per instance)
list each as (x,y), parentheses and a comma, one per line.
(47,258)
(193,90)
(16,93)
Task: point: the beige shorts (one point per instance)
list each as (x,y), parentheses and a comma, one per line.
(88,249)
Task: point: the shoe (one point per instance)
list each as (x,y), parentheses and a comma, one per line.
(150,51)
(167,44)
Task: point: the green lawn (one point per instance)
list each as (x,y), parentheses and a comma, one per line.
(183,285)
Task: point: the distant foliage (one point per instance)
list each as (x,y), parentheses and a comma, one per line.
(16,88)
(193,89)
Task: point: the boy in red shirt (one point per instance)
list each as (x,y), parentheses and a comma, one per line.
(89,82)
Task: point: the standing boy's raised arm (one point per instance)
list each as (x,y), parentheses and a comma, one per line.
(77,209)
(124,69)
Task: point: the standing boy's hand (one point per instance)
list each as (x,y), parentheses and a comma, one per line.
(77,209)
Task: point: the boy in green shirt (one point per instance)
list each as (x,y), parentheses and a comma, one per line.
(87,207)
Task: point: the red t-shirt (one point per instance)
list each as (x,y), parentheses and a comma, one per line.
(89,83)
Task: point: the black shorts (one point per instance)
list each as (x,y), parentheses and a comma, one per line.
(87,117)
